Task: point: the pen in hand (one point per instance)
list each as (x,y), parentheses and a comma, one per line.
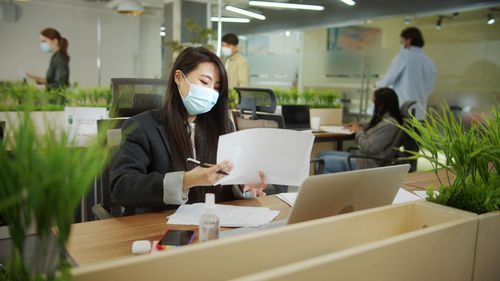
(203,165)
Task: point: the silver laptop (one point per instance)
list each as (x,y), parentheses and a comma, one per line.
(332,194)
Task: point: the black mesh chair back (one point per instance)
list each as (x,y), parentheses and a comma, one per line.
(107,208)
(132,96)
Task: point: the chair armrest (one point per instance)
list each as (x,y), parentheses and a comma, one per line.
(319,165)
(352,148)
(101,213)
(365,157)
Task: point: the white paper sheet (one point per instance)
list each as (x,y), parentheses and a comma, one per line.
(229,216)
(423,193)
(336,130)
(283,156)
(288,198)
(404,196)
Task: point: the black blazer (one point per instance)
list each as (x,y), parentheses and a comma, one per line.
(144,158)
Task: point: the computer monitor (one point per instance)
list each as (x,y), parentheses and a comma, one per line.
(296,116)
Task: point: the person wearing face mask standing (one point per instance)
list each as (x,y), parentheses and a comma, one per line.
(57,76)
(238,71)
(150,172)
(412,73)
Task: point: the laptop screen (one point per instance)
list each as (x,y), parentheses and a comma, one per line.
(296,116)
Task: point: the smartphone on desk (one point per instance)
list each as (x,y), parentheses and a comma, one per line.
(173,238)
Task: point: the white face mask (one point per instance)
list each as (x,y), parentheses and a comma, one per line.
(226,52)
(45,47)
(199,99)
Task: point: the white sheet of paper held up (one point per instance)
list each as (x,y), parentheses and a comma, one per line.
(283,156)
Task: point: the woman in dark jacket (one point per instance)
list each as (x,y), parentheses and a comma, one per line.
(57,76)
(374,138)
(151,172)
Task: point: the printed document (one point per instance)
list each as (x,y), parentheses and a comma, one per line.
(336,130)
(283,156)
(229,216)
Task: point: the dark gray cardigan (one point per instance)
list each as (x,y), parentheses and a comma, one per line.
(137,176)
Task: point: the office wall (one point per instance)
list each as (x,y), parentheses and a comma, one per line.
(465,51)
(131,46)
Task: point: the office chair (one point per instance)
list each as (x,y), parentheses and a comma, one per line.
(132,96)
(400,140)
(107,208)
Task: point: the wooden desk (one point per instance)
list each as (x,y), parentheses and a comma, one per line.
(339,138)
(104,240)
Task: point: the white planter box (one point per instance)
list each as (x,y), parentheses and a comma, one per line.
(414,241)
(328,116)
(487,262)
(42,120)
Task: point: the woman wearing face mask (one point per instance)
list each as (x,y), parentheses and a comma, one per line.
(374,138)
(57,75)
(151,172)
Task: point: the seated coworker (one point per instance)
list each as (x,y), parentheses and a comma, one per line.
(373,139)
(150,172)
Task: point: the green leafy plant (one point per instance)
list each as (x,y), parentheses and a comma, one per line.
(16,96)
(42,181)
(472,156)
(201,37)
(315,98)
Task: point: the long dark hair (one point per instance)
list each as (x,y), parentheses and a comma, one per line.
(386,100)
(209,126)
(63,42)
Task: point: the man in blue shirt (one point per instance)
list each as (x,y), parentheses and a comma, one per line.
(412,73)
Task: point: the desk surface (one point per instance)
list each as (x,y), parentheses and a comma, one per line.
(104,240)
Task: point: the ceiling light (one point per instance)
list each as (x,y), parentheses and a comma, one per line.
(438,24)
(239,20)
(491,19)
(130,7)
(348,2)
(287,33)
(245,12)
(286,5)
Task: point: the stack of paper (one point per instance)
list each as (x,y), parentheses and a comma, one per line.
(404,196)
(336,130)
(289,197)
(229,216)
(423,193)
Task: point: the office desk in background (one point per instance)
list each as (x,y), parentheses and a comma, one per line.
(339,138)
(104,240)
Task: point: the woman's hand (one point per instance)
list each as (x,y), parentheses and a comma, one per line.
(354,126)
(206,176)
(256,189)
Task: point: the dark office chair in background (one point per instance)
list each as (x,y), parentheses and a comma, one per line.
(256,109)
(400,140)
(131,96)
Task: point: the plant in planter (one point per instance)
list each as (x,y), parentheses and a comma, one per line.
(472,156)
(42,181)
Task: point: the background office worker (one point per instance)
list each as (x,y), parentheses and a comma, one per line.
(411,73)
(238,71)
(150,172)
(374,138)
(57,75)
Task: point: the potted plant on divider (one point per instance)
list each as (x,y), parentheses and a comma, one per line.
(323,103)
(472,156)
(42,181)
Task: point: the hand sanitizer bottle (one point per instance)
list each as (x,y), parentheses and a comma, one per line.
(209,222)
